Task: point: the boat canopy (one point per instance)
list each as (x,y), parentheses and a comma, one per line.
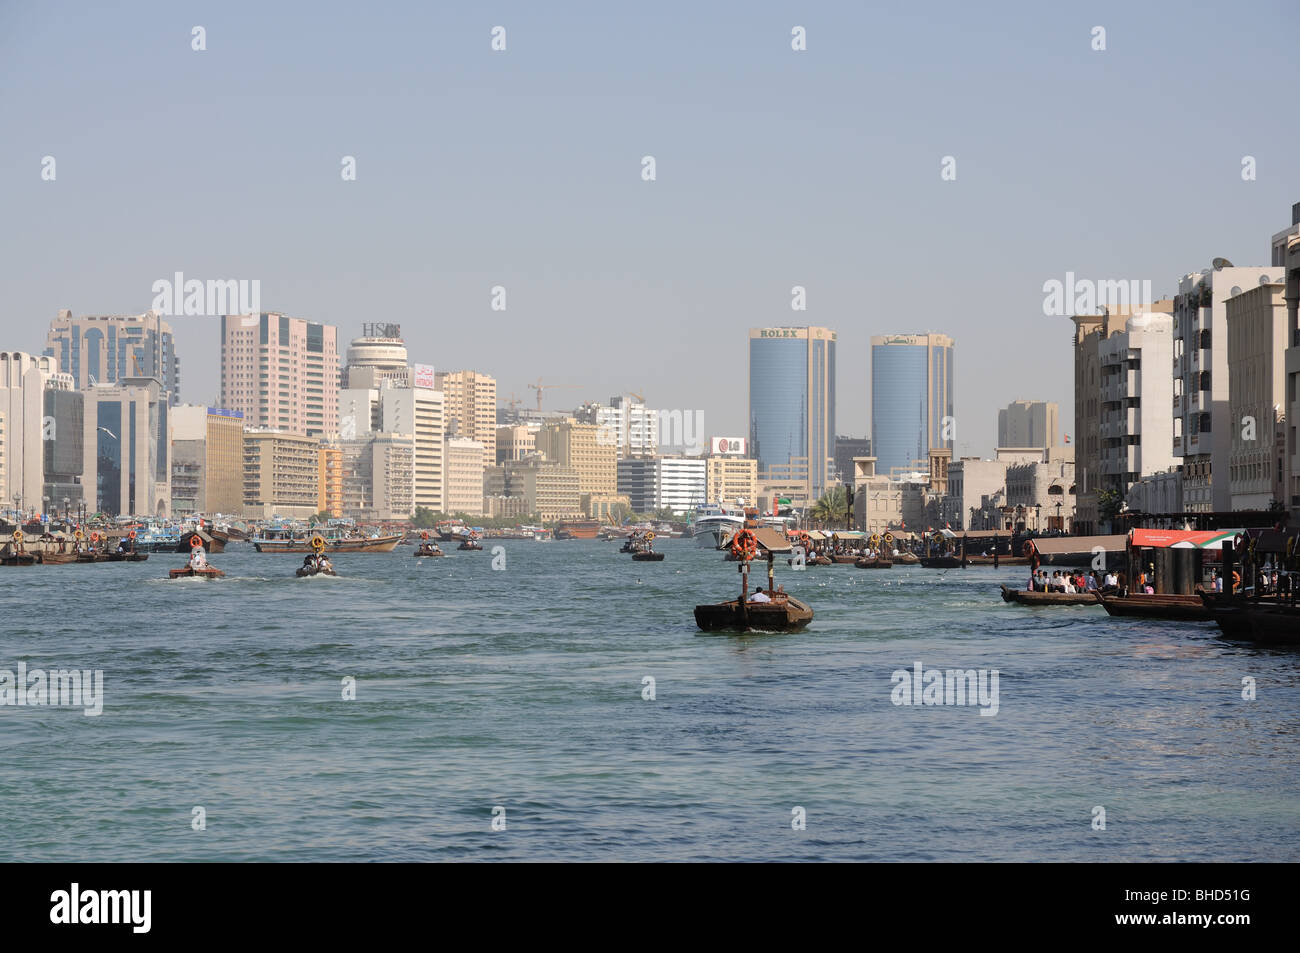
(1182,539)
(817,535)
(772,540)
(1274,540)
(848,534)
(1058,545)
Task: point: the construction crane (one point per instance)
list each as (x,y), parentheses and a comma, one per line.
(539,387)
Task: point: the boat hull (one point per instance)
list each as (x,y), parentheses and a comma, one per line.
(648,557)
(189,572)
(787,615)
(378,544)
(874,564)
(1026,598)
(1174,607)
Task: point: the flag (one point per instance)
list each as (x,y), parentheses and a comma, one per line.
(1067,438)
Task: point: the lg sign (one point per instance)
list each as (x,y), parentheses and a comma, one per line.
(733,446)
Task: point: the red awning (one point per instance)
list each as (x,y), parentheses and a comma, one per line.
(1164,538)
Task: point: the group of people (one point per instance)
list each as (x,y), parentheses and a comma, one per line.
(1074,581)
(317,562)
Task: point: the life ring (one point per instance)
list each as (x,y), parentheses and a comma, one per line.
(424,535)
(888,539)
(131,535)
(77,535)
(649,536)
(875,539)
(94,537)
(745,544)
(317,544)
(1027,549)
(18,536)
(1236,580)
(937,537)
(196,541)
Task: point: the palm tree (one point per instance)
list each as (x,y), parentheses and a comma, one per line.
(831,507)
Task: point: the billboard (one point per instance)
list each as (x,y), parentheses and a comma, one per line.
(727,446)
(423,376)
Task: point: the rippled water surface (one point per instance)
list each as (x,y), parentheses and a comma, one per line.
(522,688)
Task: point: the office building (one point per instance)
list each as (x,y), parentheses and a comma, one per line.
(1257,341)
(107,348)
(281,475)
(1136,427)
(207,461)
(1029,423)
(127,424)
(281,373)
(792,407)
(23,379)
(464,475)
(911,398)
(378,355)
(568,443)
(471,408)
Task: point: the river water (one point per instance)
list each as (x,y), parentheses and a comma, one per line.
(518,694)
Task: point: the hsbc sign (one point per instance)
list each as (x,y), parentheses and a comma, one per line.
(727,446)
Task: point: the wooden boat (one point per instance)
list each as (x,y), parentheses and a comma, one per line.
(876,563)
(127,557)
(211,543)
(336,544)
(577,529)
(1264,621)
(845,560)
(1001,561)
(22,559)
(941,562)
(784,613)
(820,561)
(472,545)
(1049,598)
(907,559)
(1178,608)
(206,573)
(59,559)
(428,550)
(647,556)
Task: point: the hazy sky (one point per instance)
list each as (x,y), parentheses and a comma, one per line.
(522,168)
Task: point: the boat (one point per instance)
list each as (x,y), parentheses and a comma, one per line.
(782,613)
(577,529)
(940,562)
(1179,608)
(877,563)
(291,542)
(648,556)
(128,557)
(716,523)
(1027,598)
(1274,623)
(907,559)
(21,559)
(998,561)
(211,543)
(471,544)
(450,530)
(306,572)
(206,573)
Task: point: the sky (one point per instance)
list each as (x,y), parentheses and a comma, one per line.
(523,169)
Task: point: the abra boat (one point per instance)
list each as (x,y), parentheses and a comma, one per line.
(876,563)
(471,544)
(1026,598)
(907,559)
(286,541)
(782,613)
(189,571)
(305,572)
(1178,608)
(1272,623)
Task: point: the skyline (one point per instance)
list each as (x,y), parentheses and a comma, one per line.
(524,175)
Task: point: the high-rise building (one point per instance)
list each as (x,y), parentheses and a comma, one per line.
(23,379)
(281,475)
(728,479)
(1286,259)
(130,469)
(792,406)
(464,475)
(1136,429)
(417,412)
(378,355)
(911,398)
(1029,423)
(107,348)
(682,483)
(629,424)
(471,408)
(1202,428)
(1257,340)
(846,448)
(516,441)
(207,460)
(568,443)
(64,449)
(281,373)
(329,477)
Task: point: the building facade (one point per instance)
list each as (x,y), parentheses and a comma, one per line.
(281,474)
(281,373)
(23,378)
(792,406)
(1136,427)
(583,447)
(911,397)
(1029,423)
(471,408)
(107,348)
(728,479)
(378,355)
(127,424)
(464,476)
(1256,321)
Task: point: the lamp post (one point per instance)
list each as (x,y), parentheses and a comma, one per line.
(1059,527)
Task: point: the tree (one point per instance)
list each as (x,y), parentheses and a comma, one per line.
(424,518)
(831,508)
(1108,504)
(323,516)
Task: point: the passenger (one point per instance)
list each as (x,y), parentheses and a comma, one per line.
(759,595)
(198,560)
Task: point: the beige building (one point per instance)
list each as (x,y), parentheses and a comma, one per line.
(1286,254)
(546,490)
(1040,494)
(207,460)
(471,408)
(281,473)
(728,479)
(1257,340)
(1029,423)
(376,476)
(281,372)
(882,504)
(464,476)
(517,442)
(568,443)
(1089,331)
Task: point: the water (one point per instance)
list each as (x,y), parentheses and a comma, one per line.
(522,689)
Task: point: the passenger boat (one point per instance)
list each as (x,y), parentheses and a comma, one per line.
(291,541)
(941,562)
(877,563)
(471,544)
(450,530)
(1179,608)
(427,550)
(907,559)
(648,556)
(1265,622)
(206,573)
(211,543)
(1026,598)
(716,523)
(577,529)
(305,572)
(128,557)
(783,613)
(21,558)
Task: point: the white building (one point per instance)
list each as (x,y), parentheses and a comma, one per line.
(628,424)
(977,488)
(417,412)
(1136,425)
(1041,494)
(681,483)
(23,378)
(1201,436)
(464,474)
(1257,333)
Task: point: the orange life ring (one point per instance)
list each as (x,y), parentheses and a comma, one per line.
(131,535)
(196,541)
(94,537)
(1028,548)
(744,544)
(1236,580)
(424,535)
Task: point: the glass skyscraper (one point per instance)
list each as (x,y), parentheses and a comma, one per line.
(911,395)
(792,405)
